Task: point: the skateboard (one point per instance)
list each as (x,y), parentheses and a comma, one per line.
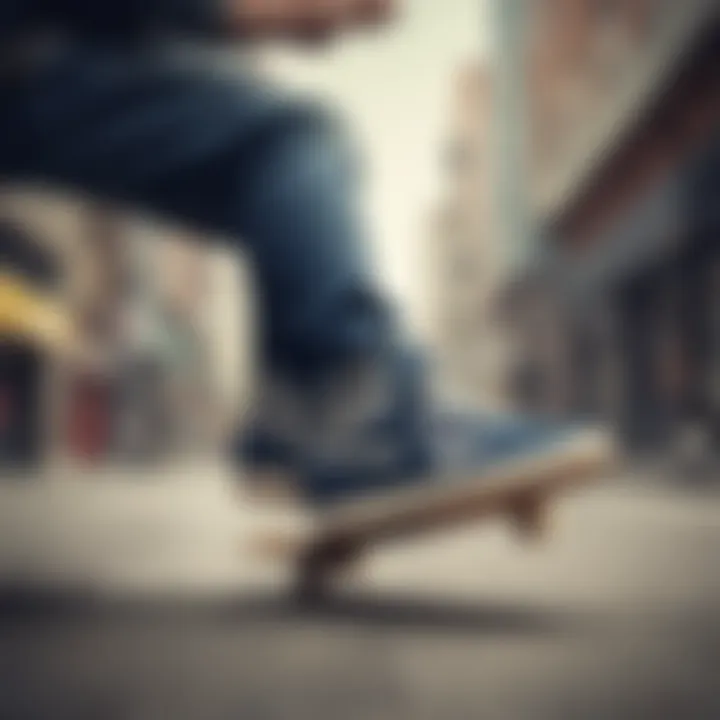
(522,493)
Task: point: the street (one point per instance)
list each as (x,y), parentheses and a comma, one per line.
(135,597)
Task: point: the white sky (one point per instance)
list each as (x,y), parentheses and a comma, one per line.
(394,87)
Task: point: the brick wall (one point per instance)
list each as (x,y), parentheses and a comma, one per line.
(579,55)
(684,121)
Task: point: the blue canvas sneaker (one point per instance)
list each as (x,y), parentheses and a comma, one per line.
(376,432)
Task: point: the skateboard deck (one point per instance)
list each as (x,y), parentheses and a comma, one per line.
(521,492)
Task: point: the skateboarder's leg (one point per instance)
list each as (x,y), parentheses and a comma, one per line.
(234,158)
(230,156)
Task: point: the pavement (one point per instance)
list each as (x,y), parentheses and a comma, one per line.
(132,596)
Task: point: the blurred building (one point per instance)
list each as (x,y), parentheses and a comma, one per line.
(617,317)
(464,252)
(613,313)
(186,315)
(53,229)
(31,326)
(154,366)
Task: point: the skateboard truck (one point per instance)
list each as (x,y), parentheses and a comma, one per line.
(319,563)
(529,514)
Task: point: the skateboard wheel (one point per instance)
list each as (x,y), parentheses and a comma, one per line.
(318,567)
(310,588)
(530,515)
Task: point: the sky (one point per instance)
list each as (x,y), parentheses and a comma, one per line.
(394,87)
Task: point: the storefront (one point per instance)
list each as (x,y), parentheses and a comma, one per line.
(637,339)
(669,315)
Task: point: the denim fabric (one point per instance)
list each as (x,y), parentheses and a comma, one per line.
(129,19)
(269,173)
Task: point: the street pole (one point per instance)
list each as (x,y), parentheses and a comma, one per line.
(511,206)
(510,19)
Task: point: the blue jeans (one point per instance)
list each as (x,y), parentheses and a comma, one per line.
(269,173)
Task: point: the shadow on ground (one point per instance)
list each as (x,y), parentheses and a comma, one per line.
(386,612)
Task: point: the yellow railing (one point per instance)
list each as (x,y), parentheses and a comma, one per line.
(27,314)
